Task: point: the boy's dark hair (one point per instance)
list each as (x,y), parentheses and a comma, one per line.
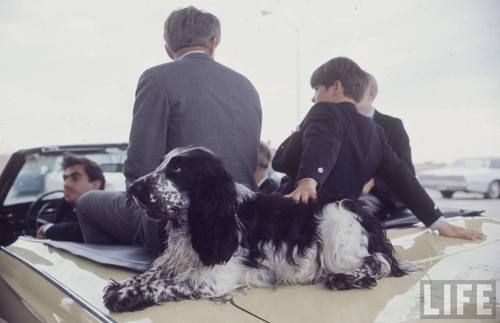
(93,171)
(345,70)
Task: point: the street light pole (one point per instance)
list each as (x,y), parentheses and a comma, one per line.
(297,55)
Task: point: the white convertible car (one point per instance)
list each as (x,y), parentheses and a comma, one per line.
(477,175)
(47,281)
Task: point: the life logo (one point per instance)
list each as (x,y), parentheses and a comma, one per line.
(454,299)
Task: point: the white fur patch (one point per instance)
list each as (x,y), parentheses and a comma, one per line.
(244,193)
(344,239)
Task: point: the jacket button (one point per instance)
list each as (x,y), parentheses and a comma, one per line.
(320,170)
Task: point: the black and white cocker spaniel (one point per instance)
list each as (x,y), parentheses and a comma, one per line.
(223,238)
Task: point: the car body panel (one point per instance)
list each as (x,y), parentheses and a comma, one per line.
(13,308)
(439,258)
(28,296)
(86,280)
(39,282)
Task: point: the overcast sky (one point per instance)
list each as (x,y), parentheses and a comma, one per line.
(69,69)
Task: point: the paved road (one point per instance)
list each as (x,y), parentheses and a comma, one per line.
(468,201)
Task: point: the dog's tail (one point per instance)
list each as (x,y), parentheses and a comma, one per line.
(378,244)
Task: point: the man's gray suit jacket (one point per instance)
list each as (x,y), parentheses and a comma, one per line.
(195,101)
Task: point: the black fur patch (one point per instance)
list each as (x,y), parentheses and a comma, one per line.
(271,218)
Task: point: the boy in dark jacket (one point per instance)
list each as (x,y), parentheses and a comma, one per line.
(343,149)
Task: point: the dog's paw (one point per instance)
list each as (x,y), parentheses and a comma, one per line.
(119,298)
(346,281)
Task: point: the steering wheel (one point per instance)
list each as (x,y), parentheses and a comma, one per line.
(34,211)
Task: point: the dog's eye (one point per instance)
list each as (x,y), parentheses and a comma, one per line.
(174,166)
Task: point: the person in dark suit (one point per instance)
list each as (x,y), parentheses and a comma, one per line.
(80,176)
(192,100)
(382,201)
(265,183)
(343,149)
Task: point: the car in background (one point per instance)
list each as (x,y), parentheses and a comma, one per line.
(474,175)
(58,281)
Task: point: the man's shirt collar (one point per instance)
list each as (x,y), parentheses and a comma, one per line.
(371,112)
(192,52)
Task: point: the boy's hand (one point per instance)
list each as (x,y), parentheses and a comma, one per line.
(368,186)
(305,191)
(446,229)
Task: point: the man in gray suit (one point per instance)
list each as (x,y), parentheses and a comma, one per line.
(191,101)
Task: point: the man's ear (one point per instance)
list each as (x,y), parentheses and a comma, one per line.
(169,53)
(337,88)
(212,44)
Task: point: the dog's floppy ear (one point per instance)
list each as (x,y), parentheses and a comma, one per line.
(212,215)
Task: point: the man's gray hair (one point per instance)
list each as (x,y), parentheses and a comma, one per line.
(189,27)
